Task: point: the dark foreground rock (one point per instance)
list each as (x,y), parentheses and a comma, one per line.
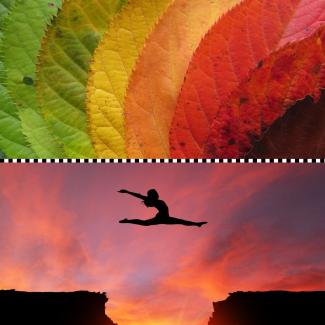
(49,308)
(270,308)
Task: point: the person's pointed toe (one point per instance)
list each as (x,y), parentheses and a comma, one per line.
(200,224)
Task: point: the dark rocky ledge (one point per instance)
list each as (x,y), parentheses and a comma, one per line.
(49,308)
(270,308)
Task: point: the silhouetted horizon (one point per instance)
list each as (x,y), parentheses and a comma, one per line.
(88,308)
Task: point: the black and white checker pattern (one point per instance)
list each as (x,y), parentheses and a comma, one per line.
(159,161)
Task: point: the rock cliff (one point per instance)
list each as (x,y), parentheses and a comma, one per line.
(270,308)
(59,308)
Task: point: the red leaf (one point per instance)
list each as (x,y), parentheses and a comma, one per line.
(288,75)
(234,46)
(300,133)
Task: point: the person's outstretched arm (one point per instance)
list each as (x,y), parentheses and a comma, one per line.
(139,196)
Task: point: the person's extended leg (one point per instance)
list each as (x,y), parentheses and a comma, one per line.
(148,222)
(172,220)
(191,223)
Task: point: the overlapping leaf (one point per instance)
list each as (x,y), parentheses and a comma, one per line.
(63,69)
(154,86)
(288,75)
(24,29)
(5,6)
(12,140)
(235,45)
(300,133)
(112,65)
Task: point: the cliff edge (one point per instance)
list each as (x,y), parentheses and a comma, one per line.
(270,308)
(59,308)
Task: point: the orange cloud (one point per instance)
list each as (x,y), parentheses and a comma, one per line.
(42,251)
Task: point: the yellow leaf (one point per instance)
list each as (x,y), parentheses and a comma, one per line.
(156,82)
(112,65)
(63,70)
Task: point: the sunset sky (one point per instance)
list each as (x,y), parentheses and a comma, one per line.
(59,231)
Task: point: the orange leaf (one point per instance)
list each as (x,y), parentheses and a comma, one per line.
(233,47)
(288,75)
(157,79)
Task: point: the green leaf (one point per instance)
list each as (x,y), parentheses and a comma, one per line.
(5,6)
(12,141)
(22,35)
(63,70)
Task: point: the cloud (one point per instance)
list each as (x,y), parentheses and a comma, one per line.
(271,238)
(41,249)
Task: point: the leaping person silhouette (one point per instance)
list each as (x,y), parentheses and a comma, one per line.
(162,217)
